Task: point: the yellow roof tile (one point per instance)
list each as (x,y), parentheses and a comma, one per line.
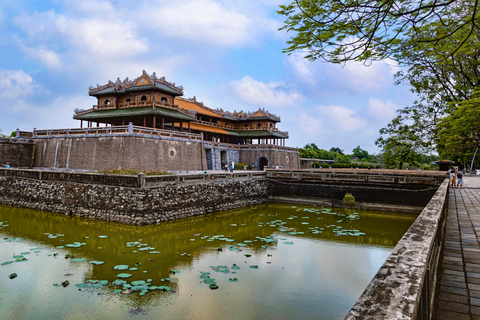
(187,105)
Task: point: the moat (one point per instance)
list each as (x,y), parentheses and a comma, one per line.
(272,261)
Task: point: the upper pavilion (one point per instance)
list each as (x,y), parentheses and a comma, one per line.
(153,102)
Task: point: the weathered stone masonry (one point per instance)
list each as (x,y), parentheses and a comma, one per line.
(137,206)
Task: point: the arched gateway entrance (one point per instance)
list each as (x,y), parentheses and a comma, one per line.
(261,162)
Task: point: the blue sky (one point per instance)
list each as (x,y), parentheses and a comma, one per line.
(226,53)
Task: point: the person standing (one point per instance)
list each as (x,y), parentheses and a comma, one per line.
(454,178)
(460,179)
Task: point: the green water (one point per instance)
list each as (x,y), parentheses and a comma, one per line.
(308,267)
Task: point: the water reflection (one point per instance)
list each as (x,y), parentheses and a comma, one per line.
(308,266)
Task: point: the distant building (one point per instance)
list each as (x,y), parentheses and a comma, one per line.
(153,102)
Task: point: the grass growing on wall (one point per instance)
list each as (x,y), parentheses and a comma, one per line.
(133,172)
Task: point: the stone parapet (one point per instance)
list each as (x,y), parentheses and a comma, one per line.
(404,287)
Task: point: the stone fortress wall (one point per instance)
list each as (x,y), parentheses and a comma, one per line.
(141,152)
(19,152)
(134,205)
(113,152)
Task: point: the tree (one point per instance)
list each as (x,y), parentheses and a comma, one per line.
(365,30)
(337,150)
(459,132)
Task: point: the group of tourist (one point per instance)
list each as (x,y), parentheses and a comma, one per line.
(457,178)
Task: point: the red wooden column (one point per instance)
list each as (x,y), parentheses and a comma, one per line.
(189,127)
(181,126)
(163,123)
(154,121)
(81,124)
(145,121)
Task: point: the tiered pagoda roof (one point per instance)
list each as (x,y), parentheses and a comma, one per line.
(144,82)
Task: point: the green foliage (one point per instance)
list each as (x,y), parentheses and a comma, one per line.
(132,172)
(240,166)
(459,133)
(337,150)
(315,165)
(362,30)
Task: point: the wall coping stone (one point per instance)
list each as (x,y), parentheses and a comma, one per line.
(404,282)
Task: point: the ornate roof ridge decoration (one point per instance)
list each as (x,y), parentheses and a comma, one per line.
(246,115)
(198,103)
(144,79)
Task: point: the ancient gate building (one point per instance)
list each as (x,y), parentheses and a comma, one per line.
(146,124)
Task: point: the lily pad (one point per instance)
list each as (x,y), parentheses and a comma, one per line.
(6,263)
(119,282)
(209,281)
(254,267)
(102,237)
(288,242)
(124,275)
(96,262)
(121,267)
(78,260)
(213,286)
(138,282)
(174,271)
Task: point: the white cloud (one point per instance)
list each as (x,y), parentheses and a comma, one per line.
(44,55)
(103,37)
(308,124)
(382,110)
(272,94)
(221,23)
(15,84)
(344,118)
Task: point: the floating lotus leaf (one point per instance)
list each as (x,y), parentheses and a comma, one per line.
(133,269)
(127,286)
(81,285)
(152,288)
(254,267)
(300,232)
(138,282)
(57,285)
(154,252)
(241,244)
(21,259)
(33,249)
(72,245)
(6,263)
(149,280)
(144,271)
(97,262)
(247,255)
(174,271)
(164,288)
(209,281)
(233,280)
(100,248)
(235,268)
(139,287)
(24,253)
(124,275)
(119,282)
(121,267)
(142,293)
(102,237)
(213,286)
(117,291)
(288,242)
(305,222)
(193,239)
(78,260)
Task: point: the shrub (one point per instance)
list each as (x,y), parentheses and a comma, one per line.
(315,165)
(133,172)
(239,166)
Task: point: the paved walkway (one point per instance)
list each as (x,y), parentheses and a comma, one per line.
(459,296)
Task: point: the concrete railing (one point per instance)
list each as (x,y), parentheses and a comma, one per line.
(358,176)
(140,181)
(405,285)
